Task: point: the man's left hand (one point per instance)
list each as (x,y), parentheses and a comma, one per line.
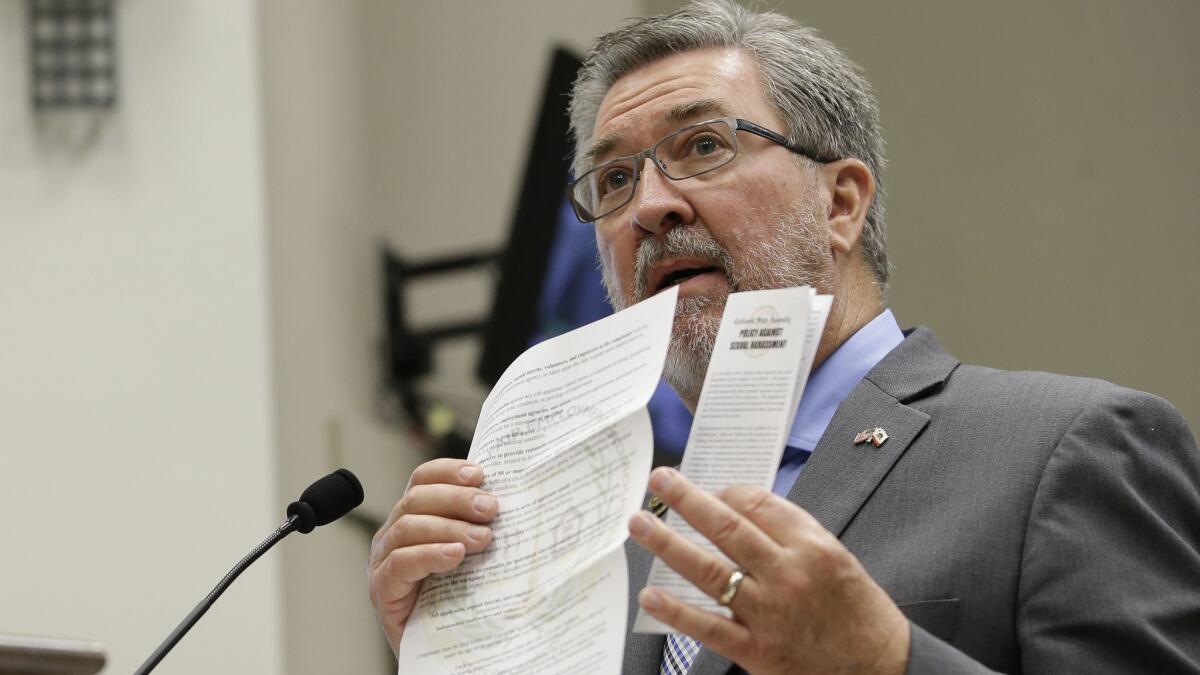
(806,605)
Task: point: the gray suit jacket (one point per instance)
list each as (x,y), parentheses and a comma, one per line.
(1024,522)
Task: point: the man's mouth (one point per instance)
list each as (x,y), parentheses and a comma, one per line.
(680,275)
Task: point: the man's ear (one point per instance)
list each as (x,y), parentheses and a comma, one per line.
(852,190)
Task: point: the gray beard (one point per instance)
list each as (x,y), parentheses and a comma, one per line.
(795,252)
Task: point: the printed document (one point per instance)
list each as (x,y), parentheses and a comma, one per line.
(565,443)
(765,348)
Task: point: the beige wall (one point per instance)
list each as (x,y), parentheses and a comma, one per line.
(1042,157)
(143,389)
(136,452)
(323,290)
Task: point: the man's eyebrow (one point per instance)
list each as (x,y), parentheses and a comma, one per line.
(682,113)
(600,148)
(687,112)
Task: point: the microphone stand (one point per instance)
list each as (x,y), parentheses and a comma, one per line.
(190,620)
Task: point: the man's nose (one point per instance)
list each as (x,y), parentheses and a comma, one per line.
(659,204)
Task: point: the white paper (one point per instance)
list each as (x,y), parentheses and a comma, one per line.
(818,312)
(565,443)
(764,349)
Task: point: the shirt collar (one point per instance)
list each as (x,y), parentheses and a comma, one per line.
(833,380)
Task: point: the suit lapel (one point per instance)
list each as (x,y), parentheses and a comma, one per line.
(840,475)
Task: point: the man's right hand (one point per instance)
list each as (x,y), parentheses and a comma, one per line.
(435,524)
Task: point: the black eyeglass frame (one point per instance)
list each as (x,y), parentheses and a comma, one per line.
(736,123)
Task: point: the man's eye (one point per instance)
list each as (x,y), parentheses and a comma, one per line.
(705,145)
(613,180)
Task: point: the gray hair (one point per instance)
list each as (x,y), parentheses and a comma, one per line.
(822,96)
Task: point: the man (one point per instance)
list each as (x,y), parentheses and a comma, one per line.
(1013,522)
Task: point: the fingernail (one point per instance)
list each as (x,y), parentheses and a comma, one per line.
(477,533)
(450,550)
(660,479)
(467,472)
(639,525)
(483,503)
(650,599)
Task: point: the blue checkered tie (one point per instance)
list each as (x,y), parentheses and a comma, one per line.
(678,654)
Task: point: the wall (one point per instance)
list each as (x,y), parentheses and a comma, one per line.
(1041,155)
(136,452)
(324,322)
(143,388)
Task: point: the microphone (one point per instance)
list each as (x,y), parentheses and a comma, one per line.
(327,499)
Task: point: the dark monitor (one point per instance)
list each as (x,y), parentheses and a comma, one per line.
(514,318)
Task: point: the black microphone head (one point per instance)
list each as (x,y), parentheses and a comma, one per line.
(327,499)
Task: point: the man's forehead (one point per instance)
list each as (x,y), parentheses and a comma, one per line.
(654,99)
(678,114)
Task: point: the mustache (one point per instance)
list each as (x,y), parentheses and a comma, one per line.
(679,242)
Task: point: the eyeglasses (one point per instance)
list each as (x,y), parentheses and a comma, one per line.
(691,151)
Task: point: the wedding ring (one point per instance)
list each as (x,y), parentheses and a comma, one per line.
(731,588)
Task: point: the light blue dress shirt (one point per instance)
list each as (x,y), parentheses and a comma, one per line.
(828,385)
